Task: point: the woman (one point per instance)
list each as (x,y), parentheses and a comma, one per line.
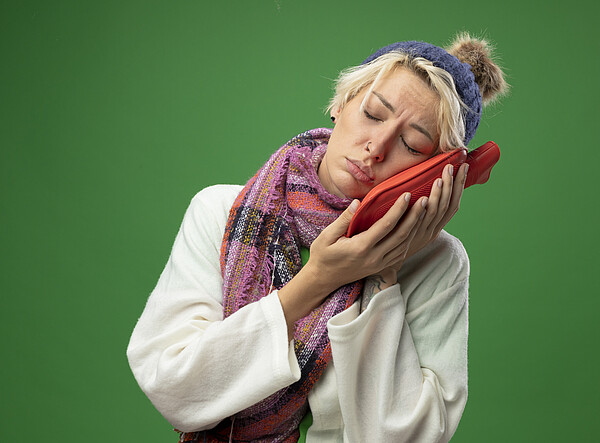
(239,341)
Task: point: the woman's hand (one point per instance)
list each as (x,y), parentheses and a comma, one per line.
(444,201)
(336,260)
(379,250)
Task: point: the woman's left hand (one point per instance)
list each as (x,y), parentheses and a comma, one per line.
(443,203)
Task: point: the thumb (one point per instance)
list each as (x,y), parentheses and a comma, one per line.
(339,227)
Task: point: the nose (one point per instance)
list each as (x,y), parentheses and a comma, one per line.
(377,149)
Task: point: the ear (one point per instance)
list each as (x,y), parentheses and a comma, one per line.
(335,112)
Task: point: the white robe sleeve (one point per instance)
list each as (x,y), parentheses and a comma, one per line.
(195,367)
(401,365)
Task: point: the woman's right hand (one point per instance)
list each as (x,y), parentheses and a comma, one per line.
(341,260)
(336,260)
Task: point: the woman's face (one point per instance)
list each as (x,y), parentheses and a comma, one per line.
(395,130)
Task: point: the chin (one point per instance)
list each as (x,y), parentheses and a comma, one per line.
(350,188)
(356,194)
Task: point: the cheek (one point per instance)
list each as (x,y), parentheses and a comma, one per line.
(399,164)
(341,144)
(334,147)
(351,130)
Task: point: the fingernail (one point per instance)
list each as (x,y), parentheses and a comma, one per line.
(466,170)
(407,197)
(353,206)
(424,202)
(439,182)
(451,170)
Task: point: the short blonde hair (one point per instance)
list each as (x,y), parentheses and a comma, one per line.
(451,110)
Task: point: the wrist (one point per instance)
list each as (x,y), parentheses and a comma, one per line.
(389,277)
(303,293)
(318,282)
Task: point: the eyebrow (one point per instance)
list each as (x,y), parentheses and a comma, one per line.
(384,101)
(388,105)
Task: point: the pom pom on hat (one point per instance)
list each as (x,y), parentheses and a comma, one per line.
(478,54)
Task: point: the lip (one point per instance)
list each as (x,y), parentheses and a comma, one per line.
(360,172)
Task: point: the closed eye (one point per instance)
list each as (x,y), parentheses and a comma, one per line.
(370,117)
(410,150)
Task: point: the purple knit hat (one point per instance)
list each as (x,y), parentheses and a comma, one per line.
(464,80)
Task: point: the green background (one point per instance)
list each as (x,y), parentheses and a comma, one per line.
(113,114)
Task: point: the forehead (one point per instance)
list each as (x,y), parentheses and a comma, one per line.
(403,89)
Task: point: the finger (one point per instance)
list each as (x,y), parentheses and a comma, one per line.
(386,224)
(418,226)
(432,205)
(448,184)
(398,254)
(457,191)
(339,227)
(406,225)
(439,198)
(439,211)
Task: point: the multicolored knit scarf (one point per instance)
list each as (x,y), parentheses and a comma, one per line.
(282,208)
